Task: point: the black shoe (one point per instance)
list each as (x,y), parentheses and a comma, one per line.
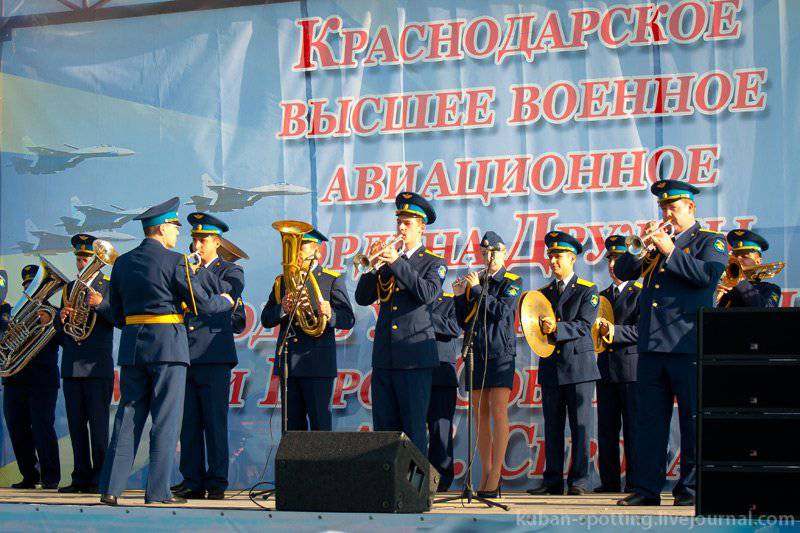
(575,490)
(638,500)
(176,488)
(685,500)
(496,493)
(215,494)
(169,501)
(108,499)
(24,484)
(442,487)
(190,494)
(542,491)
(71,489)
(50,486)
(602,489)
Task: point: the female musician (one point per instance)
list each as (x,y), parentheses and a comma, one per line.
(494,346)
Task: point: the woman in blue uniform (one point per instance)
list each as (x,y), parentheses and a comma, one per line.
(494,347)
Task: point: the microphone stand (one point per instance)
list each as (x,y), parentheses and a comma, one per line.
(467,354)
(284,372)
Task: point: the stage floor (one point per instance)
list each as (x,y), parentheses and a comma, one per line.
(519,502)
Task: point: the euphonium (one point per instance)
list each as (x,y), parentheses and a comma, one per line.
(81,320)
(640,246)
(307,316)
(364,261)
(26,335)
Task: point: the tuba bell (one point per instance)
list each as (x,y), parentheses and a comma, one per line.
(81,321)
(26,335)
(307,316)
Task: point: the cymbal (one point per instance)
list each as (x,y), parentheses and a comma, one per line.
(229,251)
(604,310)
(533,305)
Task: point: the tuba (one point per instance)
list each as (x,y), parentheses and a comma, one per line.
(81,321)
(26,335)
(307,314)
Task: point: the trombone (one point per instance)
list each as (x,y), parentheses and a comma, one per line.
(364,262)
(641,246)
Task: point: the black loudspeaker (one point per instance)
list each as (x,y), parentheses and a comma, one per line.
(748,412)
(357,472)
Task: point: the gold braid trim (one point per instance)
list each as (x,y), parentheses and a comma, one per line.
(385,289)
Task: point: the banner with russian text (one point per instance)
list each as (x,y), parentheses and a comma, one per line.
(516,117)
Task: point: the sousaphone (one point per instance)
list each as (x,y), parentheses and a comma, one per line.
(532,307)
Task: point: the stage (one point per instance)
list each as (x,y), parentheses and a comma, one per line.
(45,510)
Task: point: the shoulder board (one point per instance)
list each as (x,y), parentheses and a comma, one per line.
(106,278)
(331,272)
(711,231)
(447,294)
(511,276)
(638,285)
(433,254)
(584,282)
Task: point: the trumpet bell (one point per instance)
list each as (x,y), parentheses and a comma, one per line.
(604,310)
(635,246)
(532,307)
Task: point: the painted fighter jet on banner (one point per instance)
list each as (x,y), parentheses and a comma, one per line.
(218,198)
(48,243)
(50,160)
(87,218)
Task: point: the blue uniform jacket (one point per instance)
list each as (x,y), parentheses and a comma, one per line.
(573,360)
(752,294)
(404,334)
(211,335)
(311,356)
(675,288)
(42,370)
(93,357)
(617,363)
(447,330)
(151,280)
(494,338)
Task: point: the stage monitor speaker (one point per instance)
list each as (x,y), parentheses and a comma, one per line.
(357,472)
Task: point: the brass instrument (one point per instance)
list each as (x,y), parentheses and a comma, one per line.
(26,335)
(463,279)
(735,273)
(532,307)
(604,310)
(364,262)
(307,315)
(81,320)
(641,246)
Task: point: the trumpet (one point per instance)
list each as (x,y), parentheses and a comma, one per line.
(641,246)
(364,262)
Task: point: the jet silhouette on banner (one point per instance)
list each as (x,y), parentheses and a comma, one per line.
(95,218)
(218,198)
(49,243)
(50,160)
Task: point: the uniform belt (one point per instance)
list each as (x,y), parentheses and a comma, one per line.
(153,319)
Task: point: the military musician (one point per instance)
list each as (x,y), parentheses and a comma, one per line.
(567,377)
(29,408)
(680,266)
(444,393)
(616,392)
(494,347)
(311,360)
(404,352)
(87,367)
(148,285)
(747,248)
(212,354)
